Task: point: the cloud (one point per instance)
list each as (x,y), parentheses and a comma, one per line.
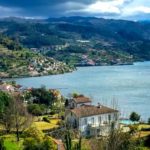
(135,10)
(117,9)
(6,11)
(104,7)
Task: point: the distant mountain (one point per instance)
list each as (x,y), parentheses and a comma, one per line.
(83,40)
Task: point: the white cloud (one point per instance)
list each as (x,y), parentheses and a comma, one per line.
(105,7)
(101,7)
(6,11)
(135,10)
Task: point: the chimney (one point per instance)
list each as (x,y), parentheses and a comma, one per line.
(99,105)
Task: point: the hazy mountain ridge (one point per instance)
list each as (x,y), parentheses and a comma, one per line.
(128,40)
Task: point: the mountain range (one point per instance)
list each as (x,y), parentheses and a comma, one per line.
(82,40)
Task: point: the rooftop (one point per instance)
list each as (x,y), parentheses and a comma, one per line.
(82,99)
(90,110)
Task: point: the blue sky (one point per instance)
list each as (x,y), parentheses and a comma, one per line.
(116,9)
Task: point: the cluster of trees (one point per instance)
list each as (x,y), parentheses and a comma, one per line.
(75,49)
(10,44)
(36,40)
(16,116)
(42,101)
(135,117)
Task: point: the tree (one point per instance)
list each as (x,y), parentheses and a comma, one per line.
(2,147)
(78,145)
(5,112)
(134,117)
(66,103)
(36,109)
(20,116)
(68,141)
(69,145)
(118,140)
(14,115)
(4,101)
(149,121)
(43,96)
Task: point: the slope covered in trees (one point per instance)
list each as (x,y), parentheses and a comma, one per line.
(16,61)
(71,39)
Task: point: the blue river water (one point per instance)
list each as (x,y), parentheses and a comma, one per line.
(126,88)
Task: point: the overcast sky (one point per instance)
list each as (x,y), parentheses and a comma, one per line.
(117,9)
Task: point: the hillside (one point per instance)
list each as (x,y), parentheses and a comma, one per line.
(16,61)
(83,40)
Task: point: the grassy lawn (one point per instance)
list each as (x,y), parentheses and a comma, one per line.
(42,125)
(145,126)
(144,133)
(11,143)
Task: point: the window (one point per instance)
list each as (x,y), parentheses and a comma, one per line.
(99,119)
(115,116)
(85,121)
(92,120)
(109,117)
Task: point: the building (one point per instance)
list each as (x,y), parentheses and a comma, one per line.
(91,120)
(7,87)
(79,101)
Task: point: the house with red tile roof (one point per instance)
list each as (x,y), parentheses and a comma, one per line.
(91,120)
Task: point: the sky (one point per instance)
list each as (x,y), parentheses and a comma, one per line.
(115,9)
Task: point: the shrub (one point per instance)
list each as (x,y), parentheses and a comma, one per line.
(33,144)
(52,112)
(46,119)
(33,132)
(48,144)
(30,144)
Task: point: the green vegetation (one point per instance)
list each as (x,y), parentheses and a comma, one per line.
(149,121)
(16,61)
(10,142)
(70,144)
(134,117)
(27,118)
(36,109)
(81,41)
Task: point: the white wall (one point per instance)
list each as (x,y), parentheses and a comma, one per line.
(95,123)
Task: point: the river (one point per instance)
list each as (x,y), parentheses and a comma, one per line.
(126,86)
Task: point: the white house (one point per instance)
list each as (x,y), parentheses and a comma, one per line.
(92,120)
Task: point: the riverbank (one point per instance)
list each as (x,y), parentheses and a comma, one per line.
(67,69)
(128,85)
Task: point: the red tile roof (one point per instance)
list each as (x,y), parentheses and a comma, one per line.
(90,110)
(82,99)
